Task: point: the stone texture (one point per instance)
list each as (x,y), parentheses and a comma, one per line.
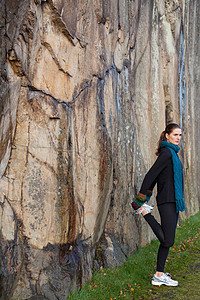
(189,95)
(86,89)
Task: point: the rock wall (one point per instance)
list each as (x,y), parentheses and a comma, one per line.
(86,89)
(190,95)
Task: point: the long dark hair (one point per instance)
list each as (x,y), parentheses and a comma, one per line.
(169,128)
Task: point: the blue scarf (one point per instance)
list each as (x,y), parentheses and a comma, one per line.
(178,175)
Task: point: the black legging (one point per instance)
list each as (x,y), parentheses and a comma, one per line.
(164,232)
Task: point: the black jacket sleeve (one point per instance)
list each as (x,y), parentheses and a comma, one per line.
(151,177)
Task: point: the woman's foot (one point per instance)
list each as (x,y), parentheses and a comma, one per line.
(144,209)
(164,279)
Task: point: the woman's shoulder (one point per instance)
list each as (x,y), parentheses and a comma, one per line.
(165,152)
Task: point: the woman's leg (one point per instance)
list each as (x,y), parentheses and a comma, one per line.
(155,226)
(164,232)
(169,218)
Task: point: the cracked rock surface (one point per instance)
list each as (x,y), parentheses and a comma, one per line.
(86,89)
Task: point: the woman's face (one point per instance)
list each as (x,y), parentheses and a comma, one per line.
(174,137)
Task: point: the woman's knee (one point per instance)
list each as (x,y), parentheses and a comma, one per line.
(168,244)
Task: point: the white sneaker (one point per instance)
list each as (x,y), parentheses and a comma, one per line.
(145,207)
(164,279)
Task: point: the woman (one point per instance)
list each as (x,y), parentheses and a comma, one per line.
(167,173)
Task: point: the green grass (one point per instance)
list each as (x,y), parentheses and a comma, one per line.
(133,279)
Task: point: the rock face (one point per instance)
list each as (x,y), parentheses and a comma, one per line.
(86,89)
(190,95)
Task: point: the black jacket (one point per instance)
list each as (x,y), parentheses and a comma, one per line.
(161,173)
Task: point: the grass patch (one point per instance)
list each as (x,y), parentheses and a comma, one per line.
(133,279)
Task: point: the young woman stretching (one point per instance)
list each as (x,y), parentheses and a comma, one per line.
(167,173)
